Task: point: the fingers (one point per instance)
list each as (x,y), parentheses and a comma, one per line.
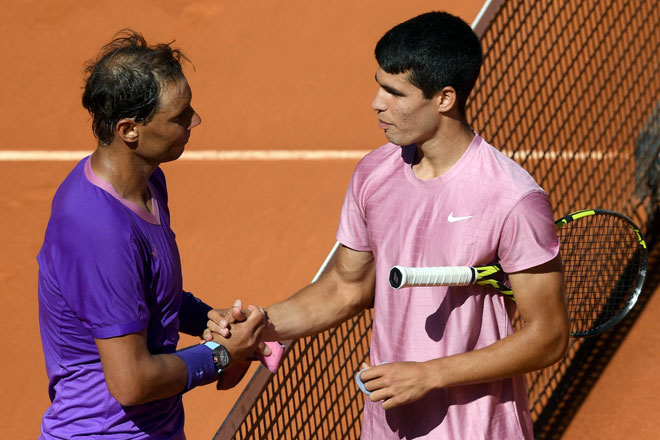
(378,386)
(216,315)
(369,373)
(374,380)
(257,318)
(231,315)
(220,320)
(221,328)
(378,389)
(237,314)
(397,384)
(239,330)
(264,349)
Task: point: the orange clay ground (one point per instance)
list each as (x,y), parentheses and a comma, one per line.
(267,75)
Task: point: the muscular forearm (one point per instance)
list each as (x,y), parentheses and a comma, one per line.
(526,350)
(145,378)
(160,377)
(541,341)
(343,291)
(135,376)
(318,307)
(399,383)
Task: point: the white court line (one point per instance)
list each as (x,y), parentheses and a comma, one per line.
(276,155)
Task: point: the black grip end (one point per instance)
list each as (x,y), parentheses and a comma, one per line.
(396,277)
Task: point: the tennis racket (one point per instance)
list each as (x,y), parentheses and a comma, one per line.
(605,260)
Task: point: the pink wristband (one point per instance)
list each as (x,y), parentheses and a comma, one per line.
(272,361)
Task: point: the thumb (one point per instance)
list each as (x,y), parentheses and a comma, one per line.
(264,349)
(237,311)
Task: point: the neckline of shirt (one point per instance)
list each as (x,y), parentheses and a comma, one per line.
(106,186)
(442,179)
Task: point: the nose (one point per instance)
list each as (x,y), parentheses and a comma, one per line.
(378,104)
(195,120)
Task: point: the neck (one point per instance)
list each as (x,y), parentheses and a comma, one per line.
(129,176)
(438,154)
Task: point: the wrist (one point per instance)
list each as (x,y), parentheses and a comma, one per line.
(433,373)
(221,356)
(199,364)
(270,334)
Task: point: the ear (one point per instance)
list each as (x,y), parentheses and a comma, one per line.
(446,99)
(127,130)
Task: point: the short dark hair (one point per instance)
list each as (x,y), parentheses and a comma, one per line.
(437,49)
(126,79)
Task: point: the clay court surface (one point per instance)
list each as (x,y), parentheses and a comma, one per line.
(294,75)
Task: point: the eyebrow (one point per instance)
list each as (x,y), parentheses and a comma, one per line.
(389,89)
(182,112)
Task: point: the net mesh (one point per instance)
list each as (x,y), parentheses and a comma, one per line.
(570,90)
(602,260)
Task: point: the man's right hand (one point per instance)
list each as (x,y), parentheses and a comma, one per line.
(244,330)
(220,320)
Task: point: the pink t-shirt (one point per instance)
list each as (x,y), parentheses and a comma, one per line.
(485,209)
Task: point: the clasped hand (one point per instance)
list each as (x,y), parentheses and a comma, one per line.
(238,330)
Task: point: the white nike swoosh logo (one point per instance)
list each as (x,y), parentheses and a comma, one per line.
(453,219)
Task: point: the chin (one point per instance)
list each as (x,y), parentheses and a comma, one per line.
(176,153)
(394,140)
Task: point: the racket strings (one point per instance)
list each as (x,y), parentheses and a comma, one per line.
(602,264)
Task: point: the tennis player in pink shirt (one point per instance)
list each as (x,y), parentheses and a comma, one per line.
(446,363)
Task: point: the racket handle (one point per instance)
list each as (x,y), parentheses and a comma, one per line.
(401,277)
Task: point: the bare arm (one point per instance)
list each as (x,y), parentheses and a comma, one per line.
(135,376)
(541,341)
(341,293)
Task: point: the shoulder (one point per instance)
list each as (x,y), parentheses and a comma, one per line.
(506,174)
(382,157)
(378,164)
(82,211)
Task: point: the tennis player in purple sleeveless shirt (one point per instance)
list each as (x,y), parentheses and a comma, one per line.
(446,363)
(111,298)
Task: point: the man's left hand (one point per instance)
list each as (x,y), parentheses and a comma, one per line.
(396,383)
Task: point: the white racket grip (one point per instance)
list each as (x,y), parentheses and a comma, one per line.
(401,276)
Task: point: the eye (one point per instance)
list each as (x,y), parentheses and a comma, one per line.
(185,116)
(393,92)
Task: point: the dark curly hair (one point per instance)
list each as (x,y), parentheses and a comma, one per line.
(126,79)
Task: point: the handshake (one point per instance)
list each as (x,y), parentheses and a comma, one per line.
(241,332)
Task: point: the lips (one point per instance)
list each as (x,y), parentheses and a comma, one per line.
(383,124)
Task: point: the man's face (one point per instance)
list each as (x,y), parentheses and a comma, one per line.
(164,137)
(403,112)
